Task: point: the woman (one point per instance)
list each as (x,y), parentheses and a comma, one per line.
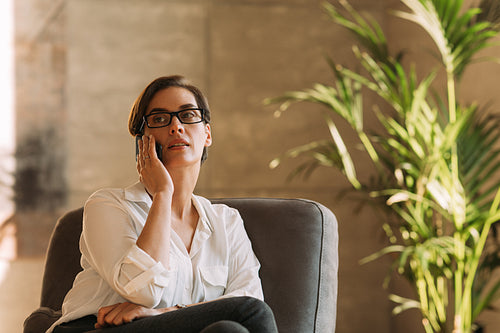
(155,256)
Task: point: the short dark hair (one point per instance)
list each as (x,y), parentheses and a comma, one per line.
(138,110)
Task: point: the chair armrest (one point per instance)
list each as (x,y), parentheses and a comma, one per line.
(40,320)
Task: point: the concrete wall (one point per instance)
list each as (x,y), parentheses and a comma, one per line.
(81,64)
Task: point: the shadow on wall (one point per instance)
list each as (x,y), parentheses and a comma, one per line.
(39,189)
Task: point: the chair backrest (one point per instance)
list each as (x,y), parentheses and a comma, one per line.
(63,259)
(295,240)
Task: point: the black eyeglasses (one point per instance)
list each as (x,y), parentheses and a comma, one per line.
(162,119)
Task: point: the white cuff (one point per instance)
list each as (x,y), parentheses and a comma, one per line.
(152,271)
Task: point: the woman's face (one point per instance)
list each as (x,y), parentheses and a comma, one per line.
(182,143)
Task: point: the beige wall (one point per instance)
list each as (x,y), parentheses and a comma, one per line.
(81,64)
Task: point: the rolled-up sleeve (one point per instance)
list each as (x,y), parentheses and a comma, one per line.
(140,278)
(109,244)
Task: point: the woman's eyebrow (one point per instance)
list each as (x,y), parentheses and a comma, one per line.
(188,106)
(182,107)
(158,110)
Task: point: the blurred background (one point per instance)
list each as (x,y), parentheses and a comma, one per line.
(70,70)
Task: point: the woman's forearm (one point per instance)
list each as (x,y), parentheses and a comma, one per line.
(155,236)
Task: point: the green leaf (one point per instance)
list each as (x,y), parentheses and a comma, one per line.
(348,165)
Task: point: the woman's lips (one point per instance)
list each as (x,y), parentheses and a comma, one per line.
(178,144)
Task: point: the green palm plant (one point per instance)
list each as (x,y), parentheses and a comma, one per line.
(435,160)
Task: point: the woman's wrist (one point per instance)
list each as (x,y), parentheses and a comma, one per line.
(169,309)
(163,195)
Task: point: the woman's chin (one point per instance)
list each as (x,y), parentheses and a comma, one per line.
(178,162)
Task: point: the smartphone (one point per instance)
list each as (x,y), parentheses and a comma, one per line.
(157,146)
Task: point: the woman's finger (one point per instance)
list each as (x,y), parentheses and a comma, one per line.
(103,313)
(146,148)
(151,147)
(140,156)
(131,312)
(122,313)
(115,316)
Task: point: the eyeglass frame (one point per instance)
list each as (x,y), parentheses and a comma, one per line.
(172,114)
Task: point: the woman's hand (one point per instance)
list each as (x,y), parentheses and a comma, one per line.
(122,313)
(152,173)
(155,236)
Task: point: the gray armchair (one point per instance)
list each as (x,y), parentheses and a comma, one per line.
(295,240)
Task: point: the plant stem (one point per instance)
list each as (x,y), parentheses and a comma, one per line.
(457,215)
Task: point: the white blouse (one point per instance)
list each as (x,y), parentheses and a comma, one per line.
(221,262)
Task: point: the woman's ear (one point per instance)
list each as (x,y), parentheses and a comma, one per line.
(208,131)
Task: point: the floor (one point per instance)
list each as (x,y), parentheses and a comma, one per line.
(20,285)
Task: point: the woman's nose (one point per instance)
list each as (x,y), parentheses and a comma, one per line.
(176,126)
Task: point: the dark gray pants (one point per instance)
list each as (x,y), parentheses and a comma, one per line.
(236,314)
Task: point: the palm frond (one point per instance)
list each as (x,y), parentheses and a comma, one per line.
(367,31)
(480,161)
(457,36)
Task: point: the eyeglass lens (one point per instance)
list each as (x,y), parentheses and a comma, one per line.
(161,119)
